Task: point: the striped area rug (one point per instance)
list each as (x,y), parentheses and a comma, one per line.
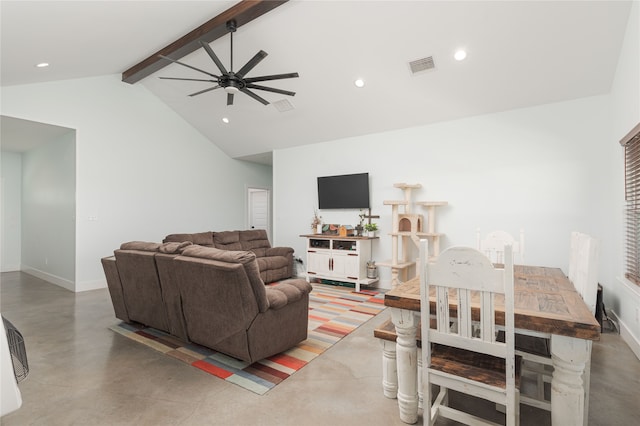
(334,312)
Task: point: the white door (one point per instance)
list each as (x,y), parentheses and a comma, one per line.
(258,209)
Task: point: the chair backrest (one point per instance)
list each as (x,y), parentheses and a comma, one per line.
(465,277)
(583,267)
(493,244)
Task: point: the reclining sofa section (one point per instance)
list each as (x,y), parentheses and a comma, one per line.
(212,297)
(274,263)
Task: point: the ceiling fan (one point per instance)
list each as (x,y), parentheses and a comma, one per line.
(234,82)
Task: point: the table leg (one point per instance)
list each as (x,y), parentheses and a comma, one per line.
(389,369)
(569,356)
(406,323)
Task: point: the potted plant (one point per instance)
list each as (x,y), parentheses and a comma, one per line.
(371,229)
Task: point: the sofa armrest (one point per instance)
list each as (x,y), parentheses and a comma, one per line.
(279,251)
(289,291)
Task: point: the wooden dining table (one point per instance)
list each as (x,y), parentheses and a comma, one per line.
(547,305)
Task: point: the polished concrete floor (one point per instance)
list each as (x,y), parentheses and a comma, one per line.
(81,373)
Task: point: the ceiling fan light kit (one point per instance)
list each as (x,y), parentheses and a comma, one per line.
(234,82)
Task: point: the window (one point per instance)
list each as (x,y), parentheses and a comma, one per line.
(631,143)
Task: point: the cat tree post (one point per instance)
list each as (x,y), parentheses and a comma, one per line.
(407,229)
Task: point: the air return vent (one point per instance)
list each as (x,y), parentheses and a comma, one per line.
(421,65)
(283,105)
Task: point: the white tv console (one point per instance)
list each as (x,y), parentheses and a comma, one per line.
(337,258)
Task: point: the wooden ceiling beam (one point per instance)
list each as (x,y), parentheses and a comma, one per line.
(243,12)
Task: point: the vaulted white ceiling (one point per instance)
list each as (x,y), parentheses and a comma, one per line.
(520,53)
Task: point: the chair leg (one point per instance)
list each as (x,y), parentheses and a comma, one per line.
(586,379)
(420,392)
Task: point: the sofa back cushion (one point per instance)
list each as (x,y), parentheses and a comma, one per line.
(255,240)
(140,245)
(141,287)
(245,258)
(174,248)
(200,238)
(217,299)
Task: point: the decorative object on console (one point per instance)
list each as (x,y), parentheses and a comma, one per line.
(346,231)
(330,228)
(316,222)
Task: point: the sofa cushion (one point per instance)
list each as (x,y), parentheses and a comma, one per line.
(227,240)
(174,248)
(212,253)
(140,245)
(273,262)
(200,238)
(255,240)
(286,292)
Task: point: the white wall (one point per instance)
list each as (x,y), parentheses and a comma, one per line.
(142,171)
(48,211)
(621,297)
(537,168)
(11,211)
(554,169)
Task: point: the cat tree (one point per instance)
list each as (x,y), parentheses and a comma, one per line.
(407,231)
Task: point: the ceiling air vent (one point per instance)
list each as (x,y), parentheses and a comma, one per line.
(283,105)
(421,65)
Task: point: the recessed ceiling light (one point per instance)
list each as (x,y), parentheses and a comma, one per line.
(359,82)
(225,120)
(42,65)
(460,55)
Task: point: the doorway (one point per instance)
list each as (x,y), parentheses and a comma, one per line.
(259,209)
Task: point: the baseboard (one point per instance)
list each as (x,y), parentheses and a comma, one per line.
(627,335)
(53,279)
(11,268)
(91,285)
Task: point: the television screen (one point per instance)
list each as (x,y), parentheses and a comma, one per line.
(344,191)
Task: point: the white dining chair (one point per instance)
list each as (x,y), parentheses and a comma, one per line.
(492,245)
(583,273)
(457,360)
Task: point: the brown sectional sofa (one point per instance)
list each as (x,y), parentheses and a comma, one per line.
(275,263)
(212,297)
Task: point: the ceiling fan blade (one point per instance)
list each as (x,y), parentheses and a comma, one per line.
(205,90)
(188,66)
(254,96)
(188,79)
(271,89)
(214,57)
(271,77)
(252,63)
(229,98)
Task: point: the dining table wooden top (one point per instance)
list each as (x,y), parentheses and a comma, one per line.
(545,301)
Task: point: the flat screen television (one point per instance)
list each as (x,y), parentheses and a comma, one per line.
(344,191)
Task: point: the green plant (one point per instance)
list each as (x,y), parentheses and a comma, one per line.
(370,227)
